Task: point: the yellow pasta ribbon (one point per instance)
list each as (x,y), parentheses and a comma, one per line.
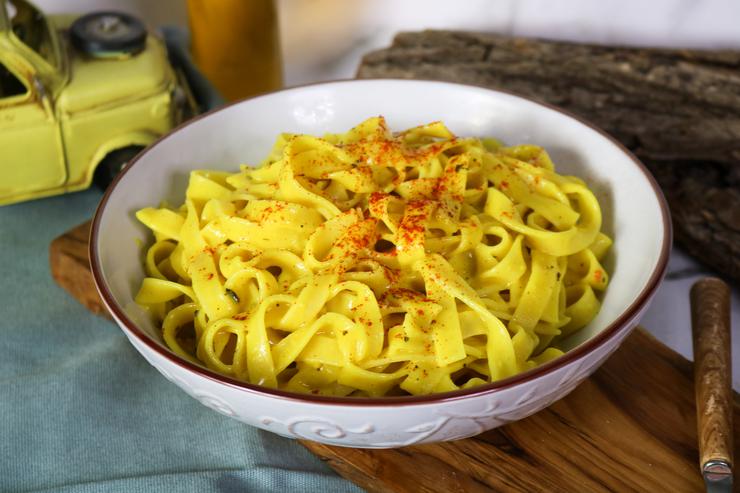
(375,263)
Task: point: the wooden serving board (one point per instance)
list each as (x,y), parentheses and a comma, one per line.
(630,427)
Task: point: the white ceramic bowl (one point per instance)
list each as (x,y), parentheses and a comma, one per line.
(634,210)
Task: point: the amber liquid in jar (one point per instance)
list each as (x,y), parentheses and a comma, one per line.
(236,45)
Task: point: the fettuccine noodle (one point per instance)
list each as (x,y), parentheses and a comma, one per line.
(371,263)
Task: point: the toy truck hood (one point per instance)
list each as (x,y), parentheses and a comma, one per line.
(97,83)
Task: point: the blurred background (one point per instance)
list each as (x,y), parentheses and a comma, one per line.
(325,39)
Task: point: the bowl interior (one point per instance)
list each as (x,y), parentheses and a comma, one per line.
(244,133)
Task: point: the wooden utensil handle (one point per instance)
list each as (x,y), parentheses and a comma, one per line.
(710,321)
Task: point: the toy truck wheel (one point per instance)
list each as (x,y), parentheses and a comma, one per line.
(102,34)
(112,164)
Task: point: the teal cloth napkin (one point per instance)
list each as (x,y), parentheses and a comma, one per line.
(81,410)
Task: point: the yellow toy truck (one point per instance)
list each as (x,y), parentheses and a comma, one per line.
(78,98)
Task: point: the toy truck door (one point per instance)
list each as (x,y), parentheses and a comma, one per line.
(31,154)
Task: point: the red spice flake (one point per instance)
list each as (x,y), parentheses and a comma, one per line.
(386,146)
(360,235)
(412,225)
(365,170)
(440,187)
(420,312)
(434,149)
(209,250)
(507,214)
(240,316)
(374,202)
(415,204)
(391,274)
(209,276)
(504,184)
(598,276)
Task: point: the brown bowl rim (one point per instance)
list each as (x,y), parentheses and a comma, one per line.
(574,354)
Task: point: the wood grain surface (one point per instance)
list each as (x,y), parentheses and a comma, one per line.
(710,321)
(630,427)
(70,267)
(677,110)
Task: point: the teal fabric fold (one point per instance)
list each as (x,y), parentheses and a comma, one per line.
(81,410)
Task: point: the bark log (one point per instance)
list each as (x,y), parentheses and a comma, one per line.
(677,110)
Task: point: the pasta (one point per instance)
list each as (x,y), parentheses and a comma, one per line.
(375,263)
